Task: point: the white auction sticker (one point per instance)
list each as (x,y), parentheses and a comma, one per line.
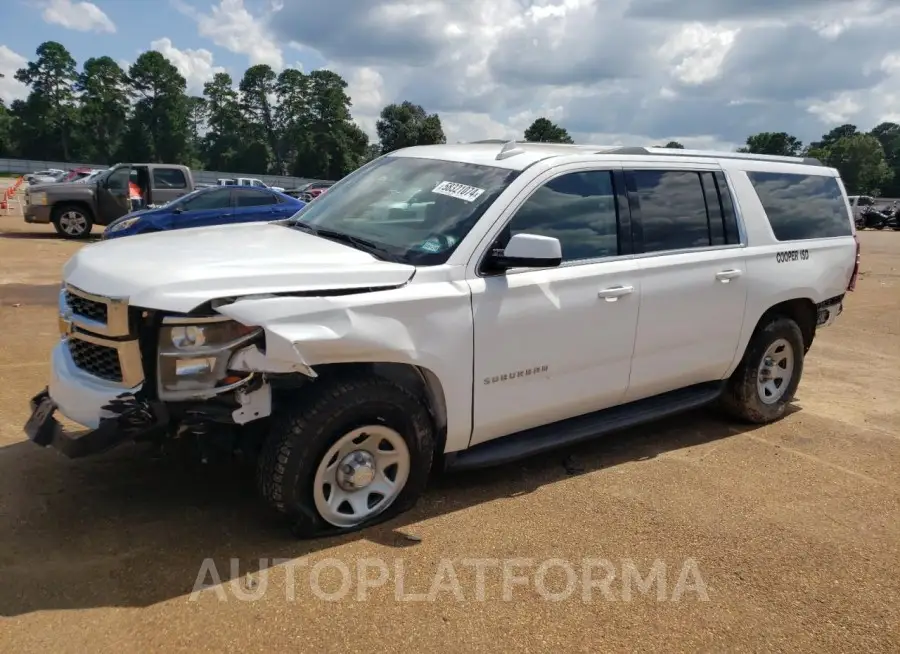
(458,191)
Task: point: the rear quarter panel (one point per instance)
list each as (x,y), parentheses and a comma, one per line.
(777,271)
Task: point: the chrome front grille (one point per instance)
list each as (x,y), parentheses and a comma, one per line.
(94,313)
(90,309)
(98,337)
(98,360)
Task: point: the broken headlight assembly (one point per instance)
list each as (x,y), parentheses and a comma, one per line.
(194,355)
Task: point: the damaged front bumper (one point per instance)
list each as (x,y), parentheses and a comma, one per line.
(128,418)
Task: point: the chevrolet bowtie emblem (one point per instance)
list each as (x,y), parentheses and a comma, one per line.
(66,326)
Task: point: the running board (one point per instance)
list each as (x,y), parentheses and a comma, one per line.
(583,428)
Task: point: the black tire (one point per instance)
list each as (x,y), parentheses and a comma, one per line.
(742,398)
(59,217)
(302,434)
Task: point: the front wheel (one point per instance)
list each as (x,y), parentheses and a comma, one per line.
(72,221)
(767,377)
(354,453)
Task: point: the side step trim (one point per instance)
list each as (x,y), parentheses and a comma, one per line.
(583,428)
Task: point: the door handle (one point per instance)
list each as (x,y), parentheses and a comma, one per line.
(613,293)
(726,276)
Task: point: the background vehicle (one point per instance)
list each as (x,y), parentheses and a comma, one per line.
(310,191)
(50,173)
(216,205)
(90,176)
(76,174)
(49,178)
(878,218)
(247,181)
(74,209)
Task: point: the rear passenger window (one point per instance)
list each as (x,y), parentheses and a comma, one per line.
(168,178)
(802,206)
(672,209)
(579,209)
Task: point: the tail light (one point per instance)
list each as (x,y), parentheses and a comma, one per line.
(852,285)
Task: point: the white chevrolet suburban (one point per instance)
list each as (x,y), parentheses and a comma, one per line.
(455,306)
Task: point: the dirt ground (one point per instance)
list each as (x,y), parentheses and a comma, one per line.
(783,538)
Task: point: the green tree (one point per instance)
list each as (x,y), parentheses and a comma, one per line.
(292,117)
(834,135)
(198,113)
(543,130)
(888,134)
(860,160)
(47,117)
(6,144)
(257,86)
(159,122)
(334,145)
(104,106)
(226,124)
(406,124)
(674,145)
(775,143)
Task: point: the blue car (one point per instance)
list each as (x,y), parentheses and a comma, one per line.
(216,205)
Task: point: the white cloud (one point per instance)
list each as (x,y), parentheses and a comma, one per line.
(837,110)
(80,16)
(706,73)
(10,62)
(229,25)
(196,66)
(696,53)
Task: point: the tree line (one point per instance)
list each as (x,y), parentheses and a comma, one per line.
(869,162)
(294,123)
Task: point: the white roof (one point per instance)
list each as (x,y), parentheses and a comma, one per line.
(519,155)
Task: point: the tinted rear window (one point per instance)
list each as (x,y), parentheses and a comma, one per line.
(802,206)
(168,178)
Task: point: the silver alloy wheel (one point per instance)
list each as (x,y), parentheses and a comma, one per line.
(775,371)
(361,475)
(73,223)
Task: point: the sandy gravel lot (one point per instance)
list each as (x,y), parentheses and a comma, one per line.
(784,538)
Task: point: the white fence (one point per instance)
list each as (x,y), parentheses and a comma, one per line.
(25,166)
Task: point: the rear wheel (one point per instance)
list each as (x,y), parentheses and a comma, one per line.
(72,221)
(354,453)
(767,377)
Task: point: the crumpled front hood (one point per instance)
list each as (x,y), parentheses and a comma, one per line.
(181,269)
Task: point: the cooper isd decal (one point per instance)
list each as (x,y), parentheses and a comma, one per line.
(791,255)
(509,376)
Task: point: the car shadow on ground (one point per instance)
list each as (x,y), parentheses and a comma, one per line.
(127,530)
(46,236)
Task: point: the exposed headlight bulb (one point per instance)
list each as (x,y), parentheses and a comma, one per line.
(188,336)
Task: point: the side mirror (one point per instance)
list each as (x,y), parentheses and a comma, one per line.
(530,251)
(178,210)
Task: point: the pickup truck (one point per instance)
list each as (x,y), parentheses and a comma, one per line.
(73,209)
(247,181)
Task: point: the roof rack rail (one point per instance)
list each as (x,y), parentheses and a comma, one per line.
(673,152)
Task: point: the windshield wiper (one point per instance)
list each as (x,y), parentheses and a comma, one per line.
(359,243)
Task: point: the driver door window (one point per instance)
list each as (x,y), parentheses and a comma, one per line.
(117,182)
(579,209)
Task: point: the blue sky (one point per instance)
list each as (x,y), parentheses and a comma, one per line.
(707,73)
(133,25)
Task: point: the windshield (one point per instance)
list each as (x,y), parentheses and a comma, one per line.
(414,210)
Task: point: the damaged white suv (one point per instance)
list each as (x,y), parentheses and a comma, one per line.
(455,306)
